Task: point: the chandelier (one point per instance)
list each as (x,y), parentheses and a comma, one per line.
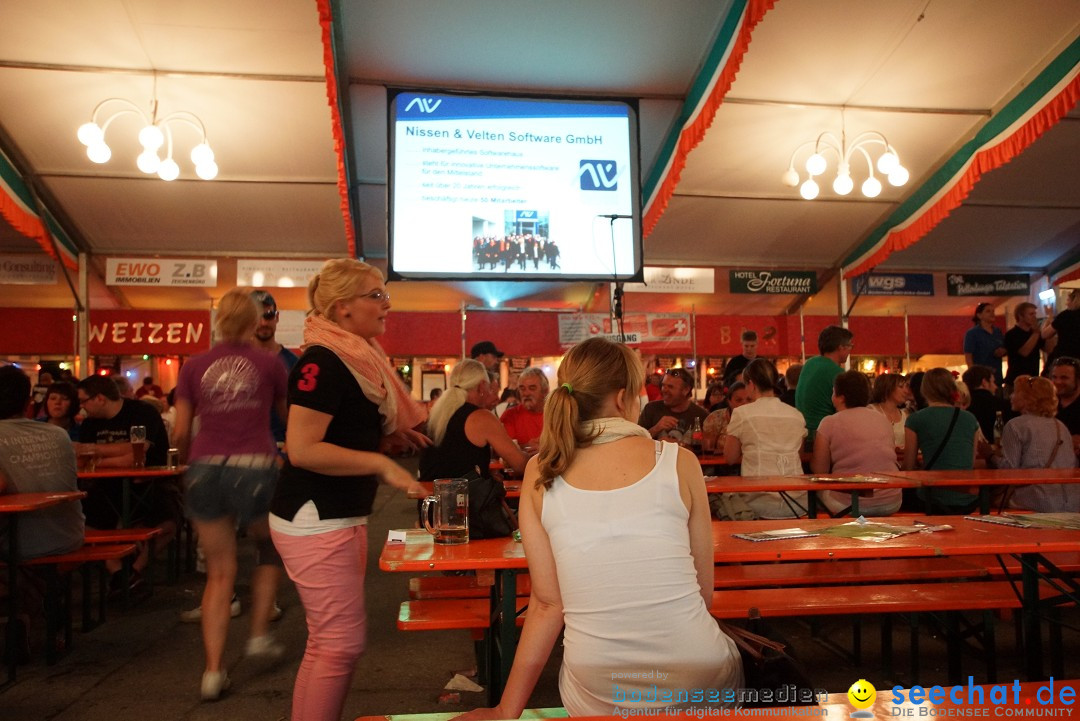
(155,133)
(888,164)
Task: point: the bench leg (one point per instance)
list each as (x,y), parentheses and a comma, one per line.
(990,645)
(1057,661)
(954,646)
(914,658)
(886,646)
(856,640)
(87,615)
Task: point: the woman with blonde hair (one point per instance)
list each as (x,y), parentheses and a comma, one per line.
(639,598)
(464,433)
(945,434)
(231,475)
(1036,439)
(344,399)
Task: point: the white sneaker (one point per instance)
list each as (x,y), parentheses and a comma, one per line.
(213,683)
(264,647)
(195,614)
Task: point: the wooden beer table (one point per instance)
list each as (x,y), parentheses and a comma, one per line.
(11,506)
(129,478)
(987,478)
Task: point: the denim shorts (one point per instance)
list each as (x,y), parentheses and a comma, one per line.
(221,486)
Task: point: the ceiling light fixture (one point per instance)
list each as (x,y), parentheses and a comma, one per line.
(154,133)
(888,164)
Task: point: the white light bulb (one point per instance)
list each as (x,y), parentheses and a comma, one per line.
(148,161)
(809,189)
(99,152)
(815,164)
(202,153)
(151,137)
(90,134)
(843,184)
(207,170)
(899,176)
(790,178)
(887,162)
(168,170)
(871,188)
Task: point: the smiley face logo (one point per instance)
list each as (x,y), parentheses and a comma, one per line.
(862,695)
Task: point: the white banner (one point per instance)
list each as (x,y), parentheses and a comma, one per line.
(276,273)
(663,329)
(161,272)
(27,270)
(674,280)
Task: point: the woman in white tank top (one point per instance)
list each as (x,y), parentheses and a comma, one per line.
(618,535)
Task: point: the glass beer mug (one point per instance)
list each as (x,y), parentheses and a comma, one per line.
(451,512)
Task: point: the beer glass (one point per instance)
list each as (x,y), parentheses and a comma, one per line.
(138,446)
(451,512)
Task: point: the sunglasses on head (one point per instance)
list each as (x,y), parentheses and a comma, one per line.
(269,314)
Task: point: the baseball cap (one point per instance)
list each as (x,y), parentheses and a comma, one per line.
(261,296)
(485,346)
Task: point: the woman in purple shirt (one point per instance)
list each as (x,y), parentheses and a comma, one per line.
(233,459)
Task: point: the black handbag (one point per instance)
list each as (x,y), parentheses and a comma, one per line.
(489,516)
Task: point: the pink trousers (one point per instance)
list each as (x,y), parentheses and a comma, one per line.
(328,570)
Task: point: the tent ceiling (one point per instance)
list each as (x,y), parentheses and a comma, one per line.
(928,75)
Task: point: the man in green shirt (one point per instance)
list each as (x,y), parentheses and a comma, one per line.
(813,395)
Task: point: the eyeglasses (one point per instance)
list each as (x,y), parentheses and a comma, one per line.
(379,296)
(269,314)
(1067,361)
(680,374)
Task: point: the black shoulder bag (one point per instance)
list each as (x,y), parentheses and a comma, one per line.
(489,516)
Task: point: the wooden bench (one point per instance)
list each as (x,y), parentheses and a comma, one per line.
(58,569)
(469,614)
(813,573)
(435,587)
(949,598)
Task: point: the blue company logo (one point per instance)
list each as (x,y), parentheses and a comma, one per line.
(599,175)
(426,105)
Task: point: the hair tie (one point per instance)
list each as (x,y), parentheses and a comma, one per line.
(569,388)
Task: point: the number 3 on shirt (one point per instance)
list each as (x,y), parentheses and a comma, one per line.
(309,378)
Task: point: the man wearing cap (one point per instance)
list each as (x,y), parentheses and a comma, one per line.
(486,352)
(674,414)
(264,338)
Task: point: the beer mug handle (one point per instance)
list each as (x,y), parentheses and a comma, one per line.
(426,514)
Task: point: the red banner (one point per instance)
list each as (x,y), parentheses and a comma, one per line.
(154,332)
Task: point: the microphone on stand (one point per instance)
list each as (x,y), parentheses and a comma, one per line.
(614,216)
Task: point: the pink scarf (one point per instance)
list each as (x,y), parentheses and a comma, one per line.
(369,365)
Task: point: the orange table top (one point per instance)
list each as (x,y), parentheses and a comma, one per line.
(421,553)
(22,502)
(991,476)
(147,472)
(966,538)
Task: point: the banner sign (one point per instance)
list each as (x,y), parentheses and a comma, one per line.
(768,282)
(153,332)
(276,273)
(985,284)
(161,272)
(675,280)
(666,330)
(893,284)
(27,270)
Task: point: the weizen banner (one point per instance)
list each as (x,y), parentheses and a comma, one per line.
(27,270)
(161,272)
(276,273)
(156,332)
(780,282)
(647,330)
(893,284)
(974,284)
(675,280)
